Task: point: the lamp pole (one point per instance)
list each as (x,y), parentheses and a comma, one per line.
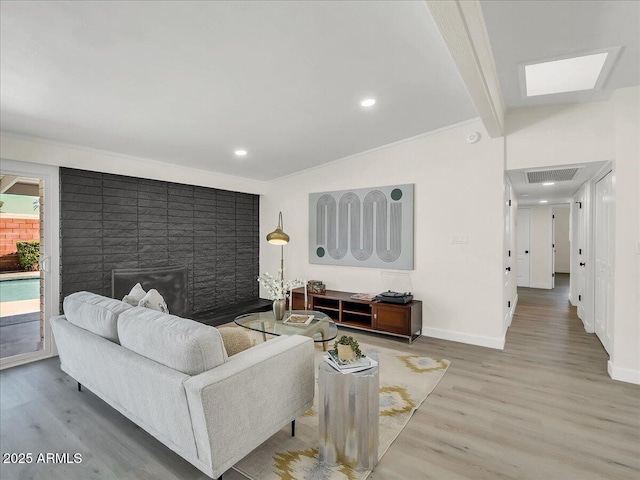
(282,267)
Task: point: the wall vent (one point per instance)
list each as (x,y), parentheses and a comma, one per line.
(561,175)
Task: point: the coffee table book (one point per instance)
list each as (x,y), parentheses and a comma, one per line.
(359,365)
(297,319)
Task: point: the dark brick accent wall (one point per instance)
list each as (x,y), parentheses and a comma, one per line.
(113,221)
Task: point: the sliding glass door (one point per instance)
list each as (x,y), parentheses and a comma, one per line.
(29,260)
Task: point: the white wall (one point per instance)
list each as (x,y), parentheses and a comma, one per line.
(458,191)
(561,239)
(625,356)
(62,155)
(540,247)
(559,135)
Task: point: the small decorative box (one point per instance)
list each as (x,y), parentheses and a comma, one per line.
(316,286)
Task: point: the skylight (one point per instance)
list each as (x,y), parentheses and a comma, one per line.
(567,75)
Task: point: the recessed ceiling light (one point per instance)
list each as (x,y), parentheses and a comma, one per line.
(543,201)
(368,102)
(240,153)
(567,75)
(546,184)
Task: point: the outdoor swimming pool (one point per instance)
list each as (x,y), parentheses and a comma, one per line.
(19,289)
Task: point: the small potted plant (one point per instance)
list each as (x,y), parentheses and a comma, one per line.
(347,349)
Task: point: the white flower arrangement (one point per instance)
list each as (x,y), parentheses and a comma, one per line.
(277,289)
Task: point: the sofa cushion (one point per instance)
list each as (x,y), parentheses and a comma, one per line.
(95,313)
(154,301)
(136,294)
(235,340)
(184,345)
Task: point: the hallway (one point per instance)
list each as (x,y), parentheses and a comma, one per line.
(546,327)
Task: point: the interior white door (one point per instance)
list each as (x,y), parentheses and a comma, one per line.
(507,255)
(523,239)
(582,255)
(603,255)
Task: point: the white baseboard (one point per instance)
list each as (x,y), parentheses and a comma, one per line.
(571,300)
(489,342)
(623,374)
(25,358)
(563,271)
(588,327)
(541,285)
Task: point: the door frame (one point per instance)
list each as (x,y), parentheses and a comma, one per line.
(584,198)
(586,194)
(49,174)
(606,170)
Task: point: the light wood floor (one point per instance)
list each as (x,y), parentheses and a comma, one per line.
(544,408)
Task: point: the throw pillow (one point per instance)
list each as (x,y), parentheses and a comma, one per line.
(135,295)
(154,301)
(235,340)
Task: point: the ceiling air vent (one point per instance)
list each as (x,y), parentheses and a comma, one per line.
(542,176)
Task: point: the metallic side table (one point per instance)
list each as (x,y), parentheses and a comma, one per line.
(349,416)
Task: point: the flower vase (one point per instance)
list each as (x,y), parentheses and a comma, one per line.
(279,307)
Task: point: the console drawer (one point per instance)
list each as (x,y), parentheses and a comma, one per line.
(392,319)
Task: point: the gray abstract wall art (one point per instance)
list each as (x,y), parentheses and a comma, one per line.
(365,227)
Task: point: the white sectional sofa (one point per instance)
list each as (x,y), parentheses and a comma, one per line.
(172,377)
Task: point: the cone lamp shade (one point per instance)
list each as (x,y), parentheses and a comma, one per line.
(278,237)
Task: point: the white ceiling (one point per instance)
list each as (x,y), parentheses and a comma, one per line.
(190,82)
(559,192)
(529,31)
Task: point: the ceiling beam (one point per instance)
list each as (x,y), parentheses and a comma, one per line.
(7,182)
(462,26)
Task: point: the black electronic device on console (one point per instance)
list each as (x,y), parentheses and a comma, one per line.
(394,297)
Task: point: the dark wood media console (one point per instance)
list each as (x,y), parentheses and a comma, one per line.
(399,320)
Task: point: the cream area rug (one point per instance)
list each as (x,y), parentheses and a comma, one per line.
(405,382)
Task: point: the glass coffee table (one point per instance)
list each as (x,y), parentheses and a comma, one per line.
(321,328)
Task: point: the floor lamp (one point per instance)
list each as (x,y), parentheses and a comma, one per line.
(278,237)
